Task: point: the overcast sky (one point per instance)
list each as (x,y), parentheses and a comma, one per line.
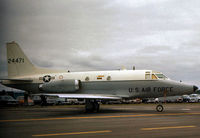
(82,35)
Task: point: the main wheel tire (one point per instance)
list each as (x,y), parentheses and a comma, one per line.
(159,108)
(89,107)
(96,107)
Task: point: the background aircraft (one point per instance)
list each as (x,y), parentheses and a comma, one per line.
(92,86)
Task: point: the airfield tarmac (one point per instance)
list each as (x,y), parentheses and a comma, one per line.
(131,120)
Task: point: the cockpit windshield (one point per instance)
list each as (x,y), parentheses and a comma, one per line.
(161,76)
(154,75)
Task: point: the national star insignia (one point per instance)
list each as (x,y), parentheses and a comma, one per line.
(46,78)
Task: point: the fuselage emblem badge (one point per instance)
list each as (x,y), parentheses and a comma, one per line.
(47,78)
(61,77)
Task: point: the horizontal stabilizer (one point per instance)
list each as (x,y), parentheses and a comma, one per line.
(16,79)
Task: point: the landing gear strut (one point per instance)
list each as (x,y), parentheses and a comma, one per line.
(26,98)
(91,106)
(159,108)
(43,100)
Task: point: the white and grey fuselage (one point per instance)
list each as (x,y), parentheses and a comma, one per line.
(122,83)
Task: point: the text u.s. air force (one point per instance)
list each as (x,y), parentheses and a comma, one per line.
(151,89)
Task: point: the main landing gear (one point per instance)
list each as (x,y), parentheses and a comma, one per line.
(43,100)
(91,105)
(159,108)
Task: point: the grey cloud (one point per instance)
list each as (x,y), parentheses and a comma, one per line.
(154,50)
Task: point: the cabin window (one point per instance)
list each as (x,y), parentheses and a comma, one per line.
(87,79)
(109,78)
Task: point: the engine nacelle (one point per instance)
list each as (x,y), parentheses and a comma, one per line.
(60,86)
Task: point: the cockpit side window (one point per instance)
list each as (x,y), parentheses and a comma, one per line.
(147,76)
(154,77)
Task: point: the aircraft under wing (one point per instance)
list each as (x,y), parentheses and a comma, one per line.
(86,96)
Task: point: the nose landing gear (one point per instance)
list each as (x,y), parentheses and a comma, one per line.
(159,107)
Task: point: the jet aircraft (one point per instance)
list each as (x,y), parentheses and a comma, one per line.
(93,86)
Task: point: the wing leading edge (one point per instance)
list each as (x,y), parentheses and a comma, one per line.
(86,96)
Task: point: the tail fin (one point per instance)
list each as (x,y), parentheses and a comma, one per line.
(19,64)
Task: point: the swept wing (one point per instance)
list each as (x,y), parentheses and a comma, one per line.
(85,96)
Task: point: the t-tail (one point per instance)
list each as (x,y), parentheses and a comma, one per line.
(19,65)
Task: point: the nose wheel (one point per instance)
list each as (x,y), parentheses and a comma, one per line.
(159,108)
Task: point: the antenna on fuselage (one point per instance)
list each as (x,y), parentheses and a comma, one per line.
(123,68)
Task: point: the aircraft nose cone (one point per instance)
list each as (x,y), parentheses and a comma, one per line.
(195,88)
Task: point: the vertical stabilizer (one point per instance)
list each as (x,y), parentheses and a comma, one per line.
(18,63)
